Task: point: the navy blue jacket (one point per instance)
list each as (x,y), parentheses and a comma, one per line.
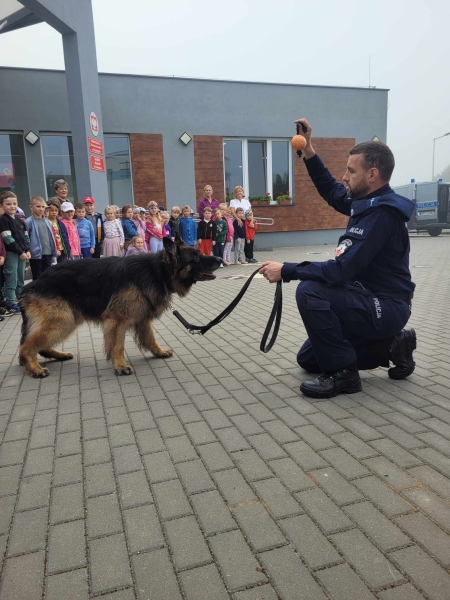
(373,251)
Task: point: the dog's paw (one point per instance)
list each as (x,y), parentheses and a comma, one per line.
(125,370)
(41,373)
(164,353)
(65,356)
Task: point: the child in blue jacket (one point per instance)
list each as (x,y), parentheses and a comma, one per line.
(42,242)
(188,227)
(85,232)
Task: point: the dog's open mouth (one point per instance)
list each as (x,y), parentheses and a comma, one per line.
(205,276)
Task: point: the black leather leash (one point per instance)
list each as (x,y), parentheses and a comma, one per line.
(275,316)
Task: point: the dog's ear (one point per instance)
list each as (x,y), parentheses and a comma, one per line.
(178,239)
(169,246)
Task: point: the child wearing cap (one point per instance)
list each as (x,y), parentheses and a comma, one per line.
(96,221)
(67,213)
(42,243)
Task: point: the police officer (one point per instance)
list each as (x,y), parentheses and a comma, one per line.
(355,306)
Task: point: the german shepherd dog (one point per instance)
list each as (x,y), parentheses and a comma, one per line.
(120,294)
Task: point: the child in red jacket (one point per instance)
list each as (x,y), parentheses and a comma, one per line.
(250,232)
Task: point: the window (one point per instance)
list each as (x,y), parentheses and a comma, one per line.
(232,160)
(118,170)
(260,166)
(59,164)
(13,169)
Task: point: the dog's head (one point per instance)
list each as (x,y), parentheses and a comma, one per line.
(187,265)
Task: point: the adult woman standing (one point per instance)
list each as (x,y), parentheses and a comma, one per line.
(207,200)
(239,201)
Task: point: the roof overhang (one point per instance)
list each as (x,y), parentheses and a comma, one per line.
(14,16)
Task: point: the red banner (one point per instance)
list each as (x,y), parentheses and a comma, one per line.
(95,146)
(97,163)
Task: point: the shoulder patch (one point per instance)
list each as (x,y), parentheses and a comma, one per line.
(358,232)
(343,247)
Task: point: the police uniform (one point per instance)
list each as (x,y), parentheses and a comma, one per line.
(353,305)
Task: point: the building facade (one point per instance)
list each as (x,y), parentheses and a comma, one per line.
(239,135)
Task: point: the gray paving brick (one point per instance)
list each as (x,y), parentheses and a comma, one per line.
(7,504)
(94,410)
(187,413)
(327,425)
(252,466)
(154,576)
(9,479)
(291,578)
(247,425)
(23,577)
(405,423)
(361,430)
(171,500)
(45,417)
(402,438)
(134,489)
(341,583)
(70,586)
(215,457)
(170,426)
(187,544)
(367,561)
(262,592)
(67,469)
(435,440)
(354,445)
(259,412)
(291,475)
(433,479)
(66,547)
(344,463)
(200,433)
(235,560)
(100,480)
(127,594)
(181,449)
(397,455)
(29,532)
(194,477)
(67,443)
(203,583)
(233,486)
(386,470)
(34,492)
(67,503)
(336,487)
(314,437)
(109,564)
(68,423)
(127,459)
(260,530)
(149,441)
(426,533)
(309,541)
(424,571)
(324,511)
(402,592)
(143,529)
(142,420)
(13,453)
(103,516)
(232,440)
(382,496)
(376,526)
(290,416)
(436,459)
(39,461)
(116,415)
(429,503)
(216,419)
(19,430)
(121,435)
(212,512)
(408,410)
(159,467)
(96,451)
(279,502)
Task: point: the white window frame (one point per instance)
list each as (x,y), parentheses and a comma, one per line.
(269,178)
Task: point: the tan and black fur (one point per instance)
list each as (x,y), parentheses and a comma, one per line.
(120,294)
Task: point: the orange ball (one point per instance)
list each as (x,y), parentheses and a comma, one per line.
(298,142)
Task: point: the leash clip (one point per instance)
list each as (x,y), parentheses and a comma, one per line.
(195,331)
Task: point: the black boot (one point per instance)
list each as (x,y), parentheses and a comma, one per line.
(401,354)
(328,385)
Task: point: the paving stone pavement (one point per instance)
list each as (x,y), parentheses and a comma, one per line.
(208,476)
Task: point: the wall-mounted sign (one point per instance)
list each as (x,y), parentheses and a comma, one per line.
(95,146)
(93,122)
(97,163)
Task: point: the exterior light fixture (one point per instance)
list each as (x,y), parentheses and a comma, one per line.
(31,137)
(185,138)
(375,138)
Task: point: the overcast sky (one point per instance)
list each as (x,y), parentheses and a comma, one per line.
(327,42)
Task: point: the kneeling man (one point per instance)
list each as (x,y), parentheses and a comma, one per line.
(356,306)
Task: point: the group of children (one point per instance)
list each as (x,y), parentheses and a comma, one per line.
(218,233)
(57,230)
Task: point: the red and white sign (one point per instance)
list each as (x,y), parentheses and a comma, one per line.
(93,122)
(97,163)
(95,146)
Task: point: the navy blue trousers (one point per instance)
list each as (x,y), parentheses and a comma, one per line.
(347,324)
